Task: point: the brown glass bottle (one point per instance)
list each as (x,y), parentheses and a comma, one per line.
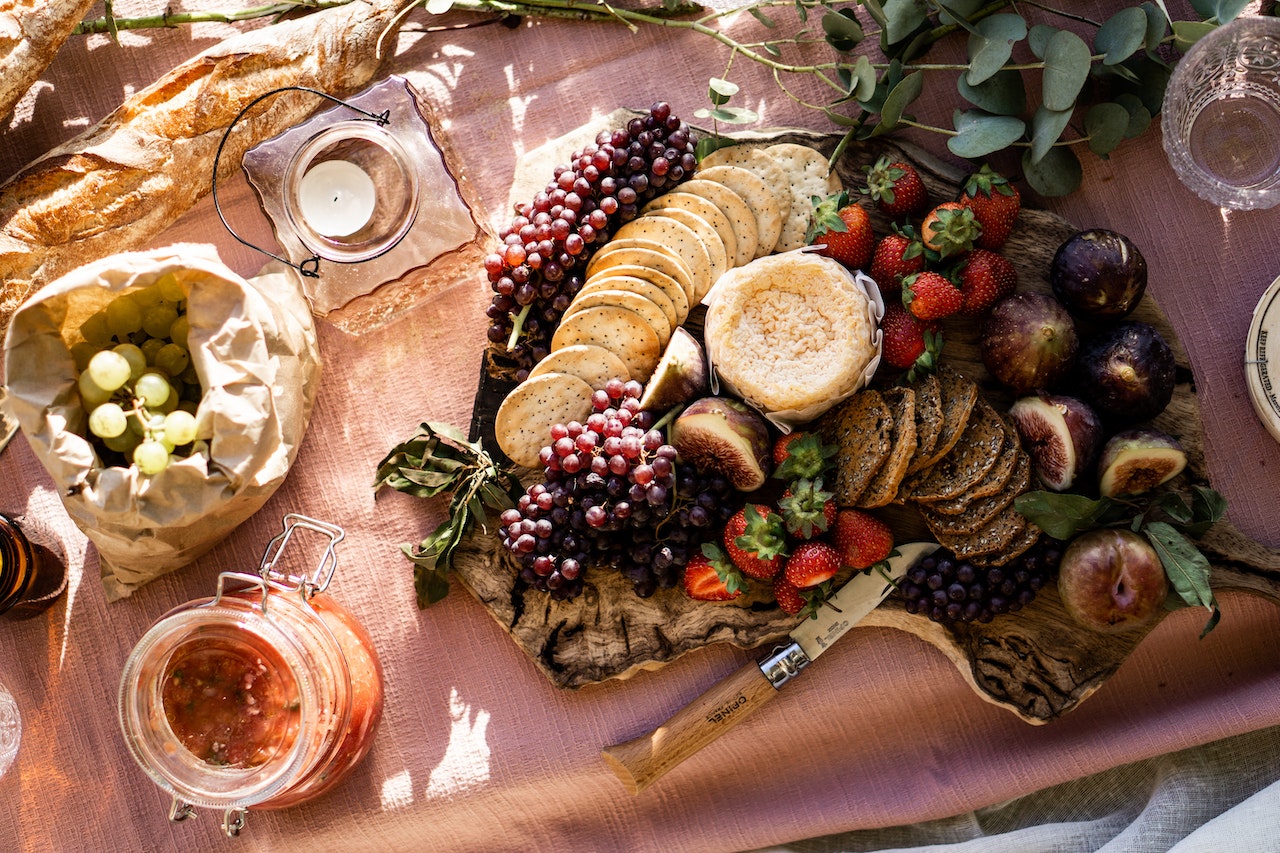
(32,577)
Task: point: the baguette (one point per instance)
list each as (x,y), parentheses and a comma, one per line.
(31,31)
(120,183)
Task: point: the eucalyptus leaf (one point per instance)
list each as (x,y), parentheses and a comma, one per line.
(874,9)
(839,118)
(1046,126)
(1153,79)
(1187,569)
(1121,35)
(903,17)
(898,99)
(1106,124)
(843,31)
(1139,115)
(728,115)
(1038,39)
(1001,94)
(992,45)
(1058,173)
(866,74)
(720,91)
(772,49)
(1157,25)
(1067,61)
(707,144)
(1061,515)
(958,12)
(1221,10)
(985,135)
(760,16)
(1187,33)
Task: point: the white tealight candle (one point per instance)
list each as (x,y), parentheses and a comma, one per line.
(336,198)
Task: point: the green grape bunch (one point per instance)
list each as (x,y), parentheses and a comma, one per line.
(137,381)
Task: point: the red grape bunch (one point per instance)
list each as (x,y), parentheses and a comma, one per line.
(542,261)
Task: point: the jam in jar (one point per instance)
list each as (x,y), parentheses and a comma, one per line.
(263,696)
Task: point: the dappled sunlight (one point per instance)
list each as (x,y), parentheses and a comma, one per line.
(397,791)
(465,763)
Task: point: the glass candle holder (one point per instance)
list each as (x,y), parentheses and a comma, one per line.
(1221,115)
(264,696)
(32,576)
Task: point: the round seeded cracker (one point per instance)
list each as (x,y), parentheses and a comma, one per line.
(592,364)
(716,249)
(622,332)
(743,222)
(705,210)
(809,175)
(759,198)
(523,422)
(644,253)
(680,240)
(658,295)
(632,301)
(761,162)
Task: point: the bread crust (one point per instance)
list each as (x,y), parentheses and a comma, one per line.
(31,32)
(123,181)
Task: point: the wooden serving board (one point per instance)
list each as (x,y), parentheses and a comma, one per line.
(1036,662)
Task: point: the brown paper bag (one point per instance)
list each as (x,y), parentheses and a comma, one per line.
(254,347)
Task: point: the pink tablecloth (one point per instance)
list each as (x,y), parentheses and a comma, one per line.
(477,751)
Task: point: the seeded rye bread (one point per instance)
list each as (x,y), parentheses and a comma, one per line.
(1016,548)
(992,538)
(862,430)
(884,485)
(992,483)
(968,462)
(958,395)
(1019,481)
(928,418)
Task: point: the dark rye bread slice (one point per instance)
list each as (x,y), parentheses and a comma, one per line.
(994,537)
(862,430)
(958,395)
(987,506)
(995,481)
(928,417)
(967,463)
(1019,546)
(883,487)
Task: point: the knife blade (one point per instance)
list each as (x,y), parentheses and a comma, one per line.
(640,762)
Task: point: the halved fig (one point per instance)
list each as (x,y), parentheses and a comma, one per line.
(681,374)
(1137,460)
(723,435)
(1061,434)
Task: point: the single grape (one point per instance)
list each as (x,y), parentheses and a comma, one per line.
(123,443)
(96,331)
(170,288)
(91,396)
(151,457)
(158,320)
(124,316)
(152,388)
(179,331)
(108,421)
(172,359)
(81,353)
(180,427)
(150,347)
(108,370)
(136,358)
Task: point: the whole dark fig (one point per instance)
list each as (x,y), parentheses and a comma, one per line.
(1126,372)
(1098,273)
(1029,342)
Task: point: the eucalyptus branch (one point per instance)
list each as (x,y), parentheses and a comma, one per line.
(169,19)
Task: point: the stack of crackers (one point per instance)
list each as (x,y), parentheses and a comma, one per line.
(938,446)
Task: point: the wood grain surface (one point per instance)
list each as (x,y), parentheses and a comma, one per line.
(1037,663)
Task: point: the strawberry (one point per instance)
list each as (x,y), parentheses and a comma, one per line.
(985,279)
(896,256)
(844,228)
(801,455)
(896,188)
(709,576)
(807,509)
(812,563)
(995,204)
(909,344)
(756,542)
(950,229)
(931,296)
(861,539)
(787,596)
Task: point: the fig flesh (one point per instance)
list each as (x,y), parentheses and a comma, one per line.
(1098,273)
(681,374)
(1061,434)
(1029,342)
(1134,461)
(1111,580)
(1126,372)
(723,435)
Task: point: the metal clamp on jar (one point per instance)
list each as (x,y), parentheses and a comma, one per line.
(263,696)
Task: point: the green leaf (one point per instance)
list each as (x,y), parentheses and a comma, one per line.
(865,75)
(438,7)
(1187,569)
(434,482)
(728,115)
(761,17)
(1187,33)
(1157,25)
(992,45)
(875,10)
(843,31)
(707,144)
(958,12)
(1106,124)
(1001,94)
(898,99)
(1062,515)
(1121,35)
(902,17)
(1222,10)
(1038,39)
(1067,63)
(985,134)
(839,118)
(1046,126)
(1139,116)
(1058,173)
(720,91)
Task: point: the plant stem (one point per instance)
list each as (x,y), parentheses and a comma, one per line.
(175,19)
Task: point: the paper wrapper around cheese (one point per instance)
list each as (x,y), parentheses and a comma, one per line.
(793,334)
(254,347)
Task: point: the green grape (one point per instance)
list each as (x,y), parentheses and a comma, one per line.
(124,317)
(136,358)
(150,347)
(108,369)
(152,388)
(190,376)
(123,443)
(108,421)
(151,457)
(179,330)
(180,427)
(170,403)
(96,331)
(189,406)
(81,353)
(172,359)
(147,297)
(91,396)
(170,288)
(157,320)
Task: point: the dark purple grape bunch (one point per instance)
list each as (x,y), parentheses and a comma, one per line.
(611,495)
(949,590)
(542,261)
